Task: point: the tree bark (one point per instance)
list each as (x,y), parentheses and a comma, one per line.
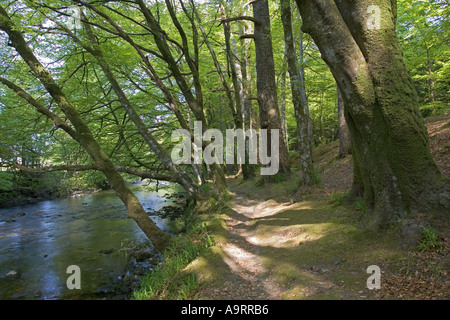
(248,171)
(283,99)
(298,97)
(430,76)
(390,140)
(301,77)
(345,145)
(269,114)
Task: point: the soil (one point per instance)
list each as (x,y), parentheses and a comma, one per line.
(307,245)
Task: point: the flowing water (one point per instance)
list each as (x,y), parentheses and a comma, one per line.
(39,242)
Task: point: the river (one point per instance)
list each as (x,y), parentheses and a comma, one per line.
(39,242)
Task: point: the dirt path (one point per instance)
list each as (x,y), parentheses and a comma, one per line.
(247,279)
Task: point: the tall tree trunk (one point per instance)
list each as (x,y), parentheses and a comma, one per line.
(248,171)
(430,76)
(345,144)
(301,77)
(238,90)
(269,114)
(298,97)
(283,99)
(390,140)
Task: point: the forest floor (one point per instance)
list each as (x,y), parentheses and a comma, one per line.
(276,241)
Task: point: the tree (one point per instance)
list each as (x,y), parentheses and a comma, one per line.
(269,114)
(345,145)
(194,97)
(298,95)
(393,162)
(423,30)
(79,131)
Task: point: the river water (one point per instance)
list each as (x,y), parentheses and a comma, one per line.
(37,247)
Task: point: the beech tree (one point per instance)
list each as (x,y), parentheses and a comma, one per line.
(298,95)
(394,168)
(269,113)
(345,145)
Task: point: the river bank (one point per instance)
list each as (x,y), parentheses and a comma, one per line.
(39,241)
(23,200)
(142,258)
(24,188)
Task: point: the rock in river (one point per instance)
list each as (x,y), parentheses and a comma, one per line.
(13,274)
(107,251)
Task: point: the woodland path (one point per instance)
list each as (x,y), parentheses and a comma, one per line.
(318,273)
(247,279)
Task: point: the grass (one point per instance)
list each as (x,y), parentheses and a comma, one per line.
(337,198)
(358,205)
(315,233)
(430,240)
(168,280)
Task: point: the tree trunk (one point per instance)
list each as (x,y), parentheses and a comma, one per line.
(430,76)
(390,140)
(301,77)
(248,171)
(159,238)
(195,102)
(283,99)
(269,114)
(345,145)
(298,97)
(245,168)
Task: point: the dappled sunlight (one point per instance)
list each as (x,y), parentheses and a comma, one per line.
(261,209)
(302,283)
(286,236)
(242,262)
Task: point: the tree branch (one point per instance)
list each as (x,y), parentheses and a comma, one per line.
(59,123)
(247,36)
(239,18)
(75,168)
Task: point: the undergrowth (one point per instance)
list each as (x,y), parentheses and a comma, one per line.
(168,281)
(430,240)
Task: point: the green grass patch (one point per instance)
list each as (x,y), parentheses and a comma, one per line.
(358,205)
(430,240)
(337,198)
(169,280)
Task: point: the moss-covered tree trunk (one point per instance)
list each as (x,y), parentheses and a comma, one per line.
(357,40)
